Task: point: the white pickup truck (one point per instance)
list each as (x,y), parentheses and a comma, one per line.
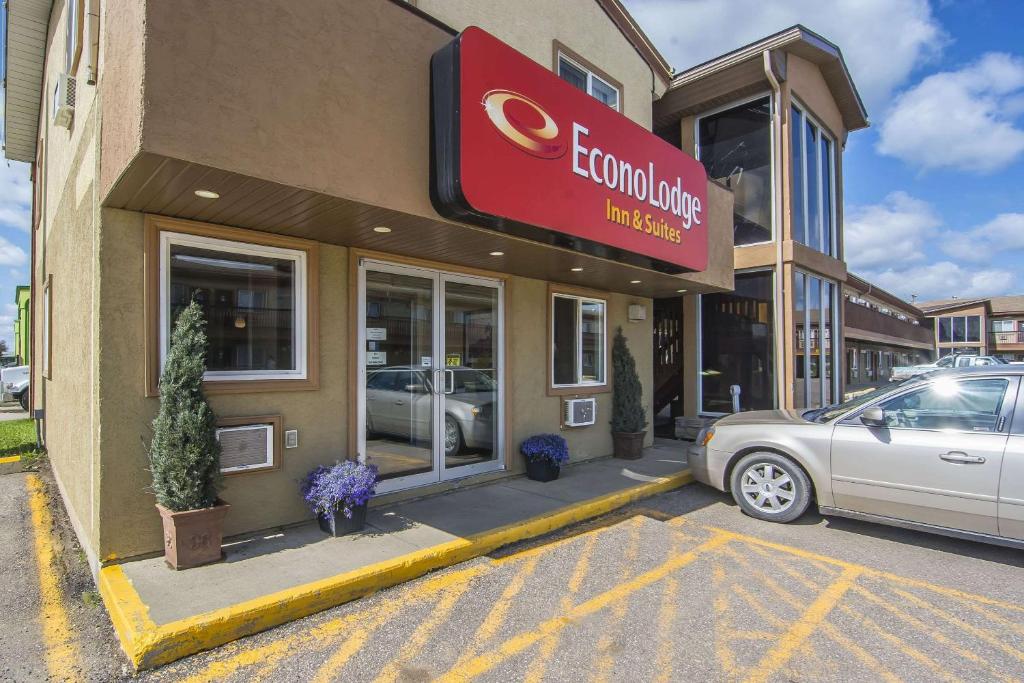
(959,361)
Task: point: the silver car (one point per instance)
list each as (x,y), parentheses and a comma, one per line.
(941,452)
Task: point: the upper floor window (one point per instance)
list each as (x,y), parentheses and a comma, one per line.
(813,184)
(959,328)
(587,81)
(1005,325)
(735,146)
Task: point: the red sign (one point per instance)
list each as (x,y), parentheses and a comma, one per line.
(518,149)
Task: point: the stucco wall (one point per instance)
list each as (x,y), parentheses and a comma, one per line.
(121,74)
(531,26)
(129,523)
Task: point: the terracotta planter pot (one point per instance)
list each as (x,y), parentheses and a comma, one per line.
(542,469)
(339,525)
(628,445)
(193,537)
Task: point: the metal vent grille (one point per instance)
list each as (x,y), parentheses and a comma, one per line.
(70,88)
(580,412)
(246,447)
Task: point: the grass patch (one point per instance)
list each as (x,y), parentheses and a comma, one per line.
(91,598)
(17,437)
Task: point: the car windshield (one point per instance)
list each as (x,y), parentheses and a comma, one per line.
(833,411)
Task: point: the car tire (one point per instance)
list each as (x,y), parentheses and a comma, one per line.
(23,400)
(771,487)
(453,441)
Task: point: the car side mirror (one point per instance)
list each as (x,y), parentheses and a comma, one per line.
(874,417)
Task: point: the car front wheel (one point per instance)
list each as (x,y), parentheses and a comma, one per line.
(23,400)
(771,487)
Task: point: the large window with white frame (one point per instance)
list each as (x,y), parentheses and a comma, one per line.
(814,211)
(735,146)
(254,300)
(815,323)
(586,80)
(578,341)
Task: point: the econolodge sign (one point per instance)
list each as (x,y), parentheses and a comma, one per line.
(519,150)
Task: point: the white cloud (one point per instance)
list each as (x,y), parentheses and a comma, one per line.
(942,280)
(11,254)
(961,119)
(883,41)
(893,232)
(1002,234)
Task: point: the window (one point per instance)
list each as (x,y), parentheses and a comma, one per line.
(587,81)
(1004,325)
(735,147)
(736,345)
(813,173)
(814,301)
(960,328)
(971,406)
(578,341)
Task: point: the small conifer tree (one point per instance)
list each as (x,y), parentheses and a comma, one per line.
(628,415)
(185,454)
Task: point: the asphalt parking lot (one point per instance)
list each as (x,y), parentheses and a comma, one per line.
(679,587)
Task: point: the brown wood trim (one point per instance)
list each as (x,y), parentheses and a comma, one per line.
(353,355)
(576,391)
(154,225)
(48,326)
(558,46)
(276,420)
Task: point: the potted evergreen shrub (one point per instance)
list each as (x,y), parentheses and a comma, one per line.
(338,495)
(628,414)
(545,454)
(184,456)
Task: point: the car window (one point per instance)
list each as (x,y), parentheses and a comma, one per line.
(945,362)
(971,405)
(383,380)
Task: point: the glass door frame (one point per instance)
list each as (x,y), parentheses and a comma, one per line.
(439,473)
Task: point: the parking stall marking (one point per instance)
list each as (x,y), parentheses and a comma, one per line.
(605,655)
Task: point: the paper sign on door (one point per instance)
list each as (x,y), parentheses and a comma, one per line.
(376,357)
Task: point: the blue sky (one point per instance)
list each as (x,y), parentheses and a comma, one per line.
(934,189)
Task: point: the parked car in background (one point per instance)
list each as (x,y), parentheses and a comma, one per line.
(958,361)
(14,380)
(941,452)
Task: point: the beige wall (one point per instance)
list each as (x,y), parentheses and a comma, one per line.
(129,523)
(531,26)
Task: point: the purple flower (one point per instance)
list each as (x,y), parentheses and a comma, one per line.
(342,486)
(546,446)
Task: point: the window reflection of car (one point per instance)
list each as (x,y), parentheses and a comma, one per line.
(399,401)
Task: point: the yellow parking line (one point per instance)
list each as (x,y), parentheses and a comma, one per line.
(546,630)
(804,626)
(329,670)
(723,622)
(605,659)
(422,634)
(666,620)
(62,653)
(277,649)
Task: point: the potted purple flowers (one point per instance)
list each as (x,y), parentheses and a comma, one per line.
(545,454)
(337,494)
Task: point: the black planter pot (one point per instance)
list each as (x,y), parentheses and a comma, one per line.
(542,469)
(339,525)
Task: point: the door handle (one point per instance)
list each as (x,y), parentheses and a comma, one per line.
(963,458)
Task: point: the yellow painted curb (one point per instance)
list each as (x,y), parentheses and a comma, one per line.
(149,645)
(10,464)
(10,460)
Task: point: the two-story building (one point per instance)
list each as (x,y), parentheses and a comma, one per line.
(992,326)
(297,169)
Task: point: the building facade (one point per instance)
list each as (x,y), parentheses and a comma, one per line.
(22,324)
(991,326)
(881,331)
(274,162)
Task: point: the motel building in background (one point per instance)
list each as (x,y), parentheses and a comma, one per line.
(414,229)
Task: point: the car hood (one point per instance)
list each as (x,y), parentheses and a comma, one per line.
(762,417)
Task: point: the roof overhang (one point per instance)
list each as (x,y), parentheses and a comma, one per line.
(27,24)
(741,72)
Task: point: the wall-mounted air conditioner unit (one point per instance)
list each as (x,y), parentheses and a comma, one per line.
(247,447)
(64,101)
(580,412)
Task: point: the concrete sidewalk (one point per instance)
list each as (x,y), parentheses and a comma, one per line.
(266,580)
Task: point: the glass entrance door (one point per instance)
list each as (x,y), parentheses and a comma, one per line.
(430,359)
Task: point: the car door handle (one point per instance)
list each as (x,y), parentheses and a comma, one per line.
(960,457)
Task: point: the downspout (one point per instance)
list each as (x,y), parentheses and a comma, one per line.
(92,42)
(780,308)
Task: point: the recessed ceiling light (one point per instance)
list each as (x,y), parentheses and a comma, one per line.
(382,229)
(207,194)
(497,253)
(577,269)
(681,291)
(634,282)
